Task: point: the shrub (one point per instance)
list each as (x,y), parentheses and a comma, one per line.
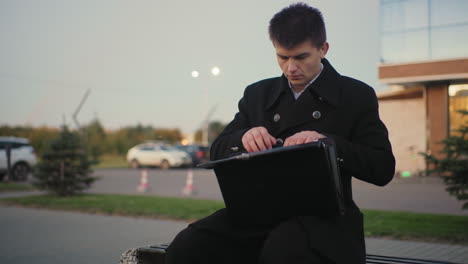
(453,167)
(64,168)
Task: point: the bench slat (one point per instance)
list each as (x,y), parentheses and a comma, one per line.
(386,259)
(156,254)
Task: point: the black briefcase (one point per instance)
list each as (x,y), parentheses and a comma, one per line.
(261,189)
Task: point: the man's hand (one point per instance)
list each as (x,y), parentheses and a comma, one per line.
(257,139)
(302,137)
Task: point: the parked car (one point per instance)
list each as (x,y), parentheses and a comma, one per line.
(22,158)
(156,154)
(198,153)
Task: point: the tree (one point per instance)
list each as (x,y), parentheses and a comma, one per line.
(198,136)
(64,167)
(36,136)
(215,128)
(453,167)
(95,139)
(172,136)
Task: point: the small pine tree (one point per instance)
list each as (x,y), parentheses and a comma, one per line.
(454,166)
(64,168)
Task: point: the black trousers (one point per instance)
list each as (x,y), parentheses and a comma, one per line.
(286,243)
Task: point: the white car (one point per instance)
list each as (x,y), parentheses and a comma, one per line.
(156,154)
(22,158)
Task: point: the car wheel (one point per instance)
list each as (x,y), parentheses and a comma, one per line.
(20,172)
(134,164)
(165,165)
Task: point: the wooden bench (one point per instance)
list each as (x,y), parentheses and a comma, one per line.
(156,255)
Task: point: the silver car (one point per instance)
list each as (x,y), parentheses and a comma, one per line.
(156,154)
(22,158)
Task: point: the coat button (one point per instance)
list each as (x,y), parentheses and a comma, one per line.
(316,114)
(234,149)
(276,117)
(320,98)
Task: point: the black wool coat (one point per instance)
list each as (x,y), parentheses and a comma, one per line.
(343,109)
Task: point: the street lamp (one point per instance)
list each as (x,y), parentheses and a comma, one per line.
(215,71)
(195,74)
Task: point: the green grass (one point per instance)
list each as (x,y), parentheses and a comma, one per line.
(15,187)
(416,226)
(129,205)
(397,225)
(111,161)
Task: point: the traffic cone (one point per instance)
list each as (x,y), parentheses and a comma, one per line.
(188,188)
(143,187)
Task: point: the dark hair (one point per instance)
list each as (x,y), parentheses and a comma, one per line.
(297,23)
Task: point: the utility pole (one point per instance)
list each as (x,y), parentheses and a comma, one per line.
(75,119)
(79,108)
(206,125)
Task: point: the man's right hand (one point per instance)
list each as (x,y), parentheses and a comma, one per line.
(257,139)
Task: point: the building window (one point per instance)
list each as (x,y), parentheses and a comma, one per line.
(415,30)
(458,100)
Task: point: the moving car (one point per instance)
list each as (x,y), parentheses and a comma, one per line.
(198,153)
(157,154)
(22,158)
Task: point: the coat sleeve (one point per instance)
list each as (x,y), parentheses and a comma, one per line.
(229,141)
(367,155)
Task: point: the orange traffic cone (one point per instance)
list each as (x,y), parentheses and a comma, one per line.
(188,188)
(143,187)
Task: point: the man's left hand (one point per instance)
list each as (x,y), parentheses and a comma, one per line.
(303,137)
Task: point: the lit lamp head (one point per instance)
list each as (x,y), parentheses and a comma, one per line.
(215,71)
(195,74)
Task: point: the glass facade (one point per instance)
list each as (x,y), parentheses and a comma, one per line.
(458,101)
(418,30)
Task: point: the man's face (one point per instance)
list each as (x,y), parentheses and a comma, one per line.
(301,63)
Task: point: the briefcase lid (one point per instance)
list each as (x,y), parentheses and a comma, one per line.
(266,187)
(252,155)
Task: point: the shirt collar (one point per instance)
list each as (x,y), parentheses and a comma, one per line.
(296,95)
(327,85)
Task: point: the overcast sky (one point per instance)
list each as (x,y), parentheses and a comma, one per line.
(137,57)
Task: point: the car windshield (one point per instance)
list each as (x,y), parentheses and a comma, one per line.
(168,148)
(186,148)
(172,149)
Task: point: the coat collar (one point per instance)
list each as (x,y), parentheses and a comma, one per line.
(326,86)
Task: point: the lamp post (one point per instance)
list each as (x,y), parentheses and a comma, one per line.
(215,71)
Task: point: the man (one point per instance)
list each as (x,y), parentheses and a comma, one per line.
(308,102)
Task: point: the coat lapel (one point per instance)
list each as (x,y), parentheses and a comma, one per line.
(284,114)
(299,113)
(327,87)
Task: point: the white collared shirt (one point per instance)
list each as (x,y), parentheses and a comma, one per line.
(296,95)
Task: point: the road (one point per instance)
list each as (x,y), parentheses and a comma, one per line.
(419,194)
(160,182)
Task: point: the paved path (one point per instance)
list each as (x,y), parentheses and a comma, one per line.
(417,194)
(46,237)
(43,236)
(19,194)
(420,250)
